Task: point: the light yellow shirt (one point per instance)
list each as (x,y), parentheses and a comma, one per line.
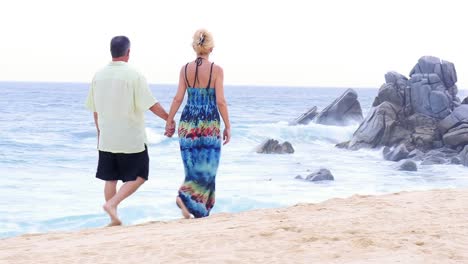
(120,95)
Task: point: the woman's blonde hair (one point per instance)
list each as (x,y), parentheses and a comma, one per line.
(202,42)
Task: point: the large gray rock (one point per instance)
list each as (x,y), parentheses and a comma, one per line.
(389,93)
(409,111)
(306,117)
(464,156)
(407,165)
(429,96)
(272,146)
(343,145)
(442,153)
(380,128)
(416,154)
(433,160)
(396,154)
(321,175)
(345,110)
(457,136)
(444,69)
(455,160)
(393,90)
(432,86)
(458,116)
(465,101)
(423,130)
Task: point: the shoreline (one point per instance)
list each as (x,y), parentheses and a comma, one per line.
(407,227)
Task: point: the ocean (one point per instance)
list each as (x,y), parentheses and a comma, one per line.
(48,158)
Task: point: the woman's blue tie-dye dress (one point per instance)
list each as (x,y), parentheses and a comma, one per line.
(200,146)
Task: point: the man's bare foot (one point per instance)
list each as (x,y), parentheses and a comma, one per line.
(183,208)
(114,224)
(112,212)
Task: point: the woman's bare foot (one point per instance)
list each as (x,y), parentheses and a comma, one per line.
(112,212)
(183,208)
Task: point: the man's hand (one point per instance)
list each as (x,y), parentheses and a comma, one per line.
(170,128)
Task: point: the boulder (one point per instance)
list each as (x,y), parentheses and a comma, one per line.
(345,110)
(407,165)
(321,175)
(343,145)
(389,93)
(416,154)
(409,111)
(396,154)
(457,136)
(432,160)
(428,96)
(458,116)
(442,152)
(455,160)
(423,131)
(306,117)
(465,101)
(380,128)
(272,146)
(445,70)
(433,89)
(464,156)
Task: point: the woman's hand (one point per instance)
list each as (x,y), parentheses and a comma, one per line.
(170,128)
(226,135)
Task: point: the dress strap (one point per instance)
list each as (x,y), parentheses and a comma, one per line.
(186,80)
(198,62)
(211,71)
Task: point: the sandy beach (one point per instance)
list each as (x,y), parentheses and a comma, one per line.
(405,227)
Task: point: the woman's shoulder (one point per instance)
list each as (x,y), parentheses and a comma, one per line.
(217,68)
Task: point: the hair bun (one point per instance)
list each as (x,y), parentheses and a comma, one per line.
(201,40)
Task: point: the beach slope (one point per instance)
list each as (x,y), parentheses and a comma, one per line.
(406,227)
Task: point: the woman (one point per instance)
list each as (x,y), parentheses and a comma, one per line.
(199,127)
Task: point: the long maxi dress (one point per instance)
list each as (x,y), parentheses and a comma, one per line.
(200,147)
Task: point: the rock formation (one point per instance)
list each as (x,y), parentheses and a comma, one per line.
(320,175)
(272,146)
(345,110)
(305,118)
(422,112)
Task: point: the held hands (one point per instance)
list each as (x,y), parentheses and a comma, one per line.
(170,128)
(226,135)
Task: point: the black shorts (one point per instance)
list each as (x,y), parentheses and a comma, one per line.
(121,166)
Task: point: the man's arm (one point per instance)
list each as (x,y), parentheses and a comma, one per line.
(158,110)
(95,115)
(96,121)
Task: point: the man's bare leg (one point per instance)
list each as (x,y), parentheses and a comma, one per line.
(110,189)
(126,190)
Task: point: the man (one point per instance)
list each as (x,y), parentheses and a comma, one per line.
(119,96)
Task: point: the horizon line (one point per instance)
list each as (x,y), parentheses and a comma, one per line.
(228,85)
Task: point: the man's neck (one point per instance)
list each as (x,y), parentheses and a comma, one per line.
(124,59)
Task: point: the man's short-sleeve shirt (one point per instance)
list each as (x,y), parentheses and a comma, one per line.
(120,95)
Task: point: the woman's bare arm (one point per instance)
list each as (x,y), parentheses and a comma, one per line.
(222,104)
(178,99)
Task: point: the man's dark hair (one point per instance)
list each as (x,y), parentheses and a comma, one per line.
(119,46)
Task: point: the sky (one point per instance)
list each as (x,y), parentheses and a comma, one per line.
(332,43)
